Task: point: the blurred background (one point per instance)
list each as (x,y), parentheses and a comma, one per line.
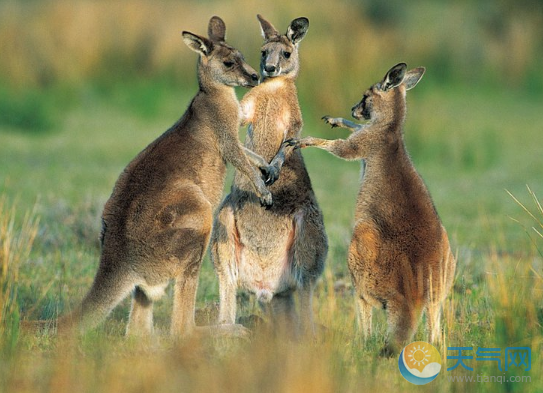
(86,85)
(58,54)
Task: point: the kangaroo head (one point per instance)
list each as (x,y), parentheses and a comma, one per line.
(280,51)
(219,62)
(382,99)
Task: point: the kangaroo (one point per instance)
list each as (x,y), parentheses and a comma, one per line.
(157,222)
(399,256)
(272,252)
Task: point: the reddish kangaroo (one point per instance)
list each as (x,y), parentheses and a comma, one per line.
(399,257)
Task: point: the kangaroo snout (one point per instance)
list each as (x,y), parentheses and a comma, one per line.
(269,68)
(254,80)
(357,112)
(361,111)
(251,76)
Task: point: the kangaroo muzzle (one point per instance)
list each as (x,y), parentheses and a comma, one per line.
(251,77)
(271,70)
(270,65)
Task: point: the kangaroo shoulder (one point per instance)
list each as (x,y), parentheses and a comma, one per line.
(247,107)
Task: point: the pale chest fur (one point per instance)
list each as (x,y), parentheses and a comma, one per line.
(273,114)
(270,109)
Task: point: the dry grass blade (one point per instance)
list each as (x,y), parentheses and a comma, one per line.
(539,211)
(522,206)
(534,216)
(15,245)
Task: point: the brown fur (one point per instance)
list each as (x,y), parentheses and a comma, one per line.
(158,221)
(273,252)
(399,257)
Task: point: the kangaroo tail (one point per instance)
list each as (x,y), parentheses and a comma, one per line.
(109,288)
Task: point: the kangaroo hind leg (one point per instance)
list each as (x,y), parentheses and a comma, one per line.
(308,255)
(140,321)
(403,319)
(285,318)
(225,255)
(364,316)
(188,239)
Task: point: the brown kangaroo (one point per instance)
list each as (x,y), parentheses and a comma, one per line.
(272,252)
(157,222)
(399,257)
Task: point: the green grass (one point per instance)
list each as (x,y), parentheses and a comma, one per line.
(468,147)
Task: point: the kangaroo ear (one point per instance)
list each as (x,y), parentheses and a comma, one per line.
(412,77)
(297,29)
(217,29)
(198,44)
(394,77)
(267,28)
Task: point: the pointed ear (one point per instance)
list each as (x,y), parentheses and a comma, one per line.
(394,77)
(216,29)
(412,77)
(267,28)
(297,29)
(198,44)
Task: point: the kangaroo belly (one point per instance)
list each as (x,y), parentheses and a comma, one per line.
(265,276)
(265,262)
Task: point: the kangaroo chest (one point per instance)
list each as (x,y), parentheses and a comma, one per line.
(273,114)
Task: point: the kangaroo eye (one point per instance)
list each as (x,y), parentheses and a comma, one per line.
(228,63)
(286,54)
(263,53)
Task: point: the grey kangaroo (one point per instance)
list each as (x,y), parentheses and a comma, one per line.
(158,221)
(272,252)
(399,257)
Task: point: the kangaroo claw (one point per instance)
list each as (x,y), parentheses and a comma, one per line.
(293,142)
(330,120)
(266,200)
(269,174)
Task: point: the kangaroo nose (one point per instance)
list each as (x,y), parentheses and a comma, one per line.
(254,77)
(269,68)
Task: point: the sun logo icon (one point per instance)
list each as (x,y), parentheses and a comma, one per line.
(418,356)
(419,362)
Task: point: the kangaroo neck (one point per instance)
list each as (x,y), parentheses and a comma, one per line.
(217,97)
(392,117)
(211,89)
(280,80)
(211,110)
(391,161)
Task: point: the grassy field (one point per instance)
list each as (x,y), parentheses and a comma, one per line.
(473,130)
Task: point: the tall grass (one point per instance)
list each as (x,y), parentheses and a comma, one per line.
(535,214)
(15,246)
